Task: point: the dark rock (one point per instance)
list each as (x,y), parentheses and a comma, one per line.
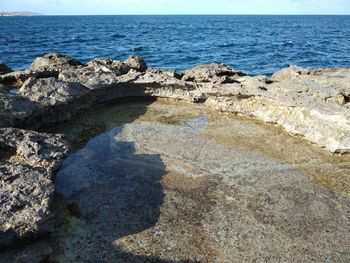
(15,77)
(4,69)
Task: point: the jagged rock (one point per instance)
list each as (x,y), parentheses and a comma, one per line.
(15,77)
(26,185)
(14,109)
(162,84)
(219,73)
(136,63)
(116,66)
(50,91)
(51,64)
(89,78)
(107,65)
(36,149)
(313,103)
(4,69)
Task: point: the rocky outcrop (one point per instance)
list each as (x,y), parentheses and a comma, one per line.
(27,162)
(214,73)
(313,106)
(313,103)
(51,64)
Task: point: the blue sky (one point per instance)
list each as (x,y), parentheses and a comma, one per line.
(100,7)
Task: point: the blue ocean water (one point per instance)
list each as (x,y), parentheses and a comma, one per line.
(254,44)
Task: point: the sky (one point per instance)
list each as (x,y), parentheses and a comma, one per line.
(105,7)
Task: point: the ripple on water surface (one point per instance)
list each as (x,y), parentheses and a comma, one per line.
(271,42)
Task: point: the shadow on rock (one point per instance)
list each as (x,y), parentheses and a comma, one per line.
(110,191)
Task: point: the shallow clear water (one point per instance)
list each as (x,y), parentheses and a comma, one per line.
(255,44)
(167,181)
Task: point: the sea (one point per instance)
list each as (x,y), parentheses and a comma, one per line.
(253,44)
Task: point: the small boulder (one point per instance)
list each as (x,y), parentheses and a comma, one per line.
(288,73)
(52,64)
(107,65)
(136,63)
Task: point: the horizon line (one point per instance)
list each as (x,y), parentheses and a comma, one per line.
(39,14)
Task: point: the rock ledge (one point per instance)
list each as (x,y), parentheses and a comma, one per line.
(313,103)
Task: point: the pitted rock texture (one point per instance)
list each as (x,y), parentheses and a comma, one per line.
(308,104)
(51,64)
(27,162)
(313,103)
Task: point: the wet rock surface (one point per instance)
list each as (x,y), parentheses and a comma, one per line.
(161,173)
(202,187)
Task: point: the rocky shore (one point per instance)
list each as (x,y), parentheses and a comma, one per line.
(311,103)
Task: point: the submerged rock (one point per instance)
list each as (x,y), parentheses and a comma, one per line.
(181,183)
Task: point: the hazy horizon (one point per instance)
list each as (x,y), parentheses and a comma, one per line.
(178,7)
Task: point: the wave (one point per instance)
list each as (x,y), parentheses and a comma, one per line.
(227,45)
(116,35)
(139,48)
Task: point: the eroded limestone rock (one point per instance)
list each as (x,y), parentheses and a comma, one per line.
(50,91)
(51,64)
(214,73)
(14,109)
(15,77)
(314,106)
(313,103)
(26,186)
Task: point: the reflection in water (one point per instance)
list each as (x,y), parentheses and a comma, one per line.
(172,182)
(118,192)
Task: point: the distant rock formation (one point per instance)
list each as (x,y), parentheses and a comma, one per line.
(19,14)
